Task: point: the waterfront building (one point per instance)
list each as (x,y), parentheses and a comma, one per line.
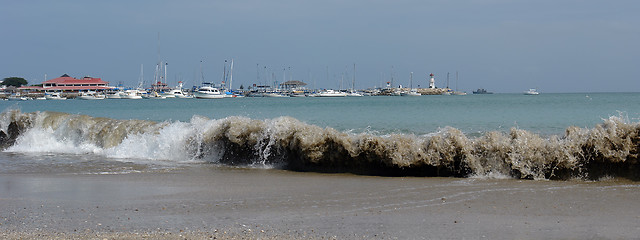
(65,83)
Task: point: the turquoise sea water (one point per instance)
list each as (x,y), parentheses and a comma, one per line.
(472,114)
(549,136)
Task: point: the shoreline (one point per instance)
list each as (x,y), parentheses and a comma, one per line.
(236,203)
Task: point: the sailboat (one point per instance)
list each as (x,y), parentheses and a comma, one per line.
(228,93)
(353,92)
(413,91)
(456,92)
(447,89)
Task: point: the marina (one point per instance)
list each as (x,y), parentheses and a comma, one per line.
(319,120)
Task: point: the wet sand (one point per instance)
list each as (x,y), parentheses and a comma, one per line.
(226,203)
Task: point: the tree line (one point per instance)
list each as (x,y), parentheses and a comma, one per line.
(14,81)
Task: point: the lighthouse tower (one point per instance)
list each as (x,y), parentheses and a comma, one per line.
(432,82)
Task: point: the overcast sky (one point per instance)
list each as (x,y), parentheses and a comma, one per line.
(500,45)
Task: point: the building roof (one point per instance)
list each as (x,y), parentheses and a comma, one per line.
(65,88)
(293,83)
(65,79)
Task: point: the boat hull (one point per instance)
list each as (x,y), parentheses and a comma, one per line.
(208,96)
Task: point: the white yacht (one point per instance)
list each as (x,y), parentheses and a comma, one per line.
(412,92)
(17,97)
(354,94)
(114,95)
(179,94)
(54,96)
(91,96)
(175,93)
(153,95)
(331,93)
(131,94)
(275,94)
(208,92)
(532,91)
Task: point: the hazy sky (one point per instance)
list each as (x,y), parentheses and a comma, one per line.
(501,45)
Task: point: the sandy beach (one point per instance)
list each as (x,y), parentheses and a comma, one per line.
(219,202)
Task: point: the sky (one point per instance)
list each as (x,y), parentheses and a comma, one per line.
(501,45)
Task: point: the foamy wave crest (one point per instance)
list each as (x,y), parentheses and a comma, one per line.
(608,149)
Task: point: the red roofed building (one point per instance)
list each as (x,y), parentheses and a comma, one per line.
(69,84)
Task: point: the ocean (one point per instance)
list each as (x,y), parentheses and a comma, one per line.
(494,166)
(550,136)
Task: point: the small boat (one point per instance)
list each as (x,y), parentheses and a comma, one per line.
(153,95)
(17,97)
(91,96)
(481,91)
(298,94)
(54,96)
(413,93)
(275,94)
(331,93)
(354,94)
(208,92)
(114,95)
(532,91)
(176,92)
(180,94)
(131,94)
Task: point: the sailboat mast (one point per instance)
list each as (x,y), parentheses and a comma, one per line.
(141,80)
(328,74)
(392,85)
(224,73)
(258,73)
(353,83)
(411,79)
(158,77)
(456,81)
(231,76)
(201,74)
(447,80)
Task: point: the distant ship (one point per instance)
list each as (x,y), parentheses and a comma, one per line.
(481,91)
(532,91)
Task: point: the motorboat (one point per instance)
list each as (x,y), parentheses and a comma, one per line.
(179,94)
(114,95)
(131,94)
(176,92)
(91,96)
(354,94)
(413,93)
(331,93)
(153,95)
(532,91)
(54,96)
(17,97)
(275,94)
(208,92)
(481,91)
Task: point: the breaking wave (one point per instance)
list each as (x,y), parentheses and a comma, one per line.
(610,149)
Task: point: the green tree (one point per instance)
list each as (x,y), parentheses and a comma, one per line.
(14,81)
